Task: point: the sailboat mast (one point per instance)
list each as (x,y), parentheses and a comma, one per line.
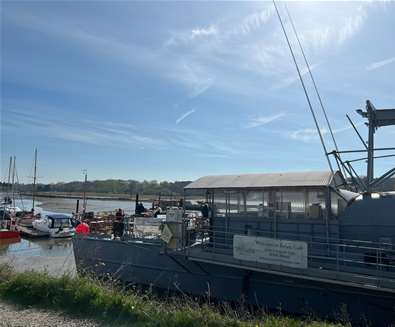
(13,182)
(9,178)
(34,178)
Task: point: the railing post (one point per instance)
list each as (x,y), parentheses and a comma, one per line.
(337,257)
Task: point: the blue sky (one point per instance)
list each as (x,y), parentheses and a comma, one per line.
(177,90)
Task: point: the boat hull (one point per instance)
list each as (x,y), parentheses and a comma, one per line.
(146,263)
(9,234)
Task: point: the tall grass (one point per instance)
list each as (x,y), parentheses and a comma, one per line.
(106,302)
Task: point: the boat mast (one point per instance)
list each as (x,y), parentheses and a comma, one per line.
(376,118)
(9,178)
(34,178)
(13,182)
(84,196)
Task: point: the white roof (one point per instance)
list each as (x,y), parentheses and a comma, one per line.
(291,179)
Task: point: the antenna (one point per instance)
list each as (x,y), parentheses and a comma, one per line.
(304,88)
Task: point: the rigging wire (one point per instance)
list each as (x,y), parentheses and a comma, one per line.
(314,83)
(304,88)
(20,195)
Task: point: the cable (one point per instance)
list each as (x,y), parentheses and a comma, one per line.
(313,80)
(304,88)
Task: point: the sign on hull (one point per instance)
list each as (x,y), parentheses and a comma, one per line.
(270,251)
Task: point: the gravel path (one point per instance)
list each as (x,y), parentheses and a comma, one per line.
(18,316)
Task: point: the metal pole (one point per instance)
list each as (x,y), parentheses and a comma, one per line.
(13,182)
(370,174)
(84,196)
(34,179)
(9,178)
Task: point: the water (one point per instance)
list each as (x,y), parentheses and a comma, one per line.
(68,206)
(52,255)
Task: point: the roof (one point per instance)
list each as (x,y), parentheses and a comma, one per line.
(291,179)
(58,216)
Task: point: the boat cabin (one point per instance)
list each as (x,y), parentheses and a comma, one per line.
(276,203)
(59,221)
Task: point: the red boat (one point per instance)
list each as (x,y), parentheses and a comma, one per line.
(5,234)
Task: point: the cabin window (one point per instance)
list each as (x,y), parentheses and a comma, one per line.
(292,204)
(235,203)
(316,204)
(220,204)
(64,222)
(254,202)
(338,204)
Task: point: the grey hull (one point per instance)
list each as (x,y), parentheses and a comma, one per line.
(146,264)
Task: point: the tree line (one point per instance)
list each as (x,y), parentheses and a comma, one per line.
(118,186)
(113,186)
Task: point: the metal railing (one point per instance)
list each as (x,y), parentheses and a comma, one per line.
(369,263)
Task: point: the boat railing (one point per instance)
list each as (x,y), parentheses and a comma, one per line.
(365,262)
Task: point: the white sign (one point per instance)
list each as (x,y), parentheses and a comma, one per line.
(270,251)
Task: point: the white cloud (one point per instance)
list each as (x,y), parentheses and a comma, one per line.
(310,134)
(263,120)
(288,81)
(184,115)
(234,53)
(306,134)
(254,21)
(90,132)
(196,32)
(195,77)
(352,25)
(379,64)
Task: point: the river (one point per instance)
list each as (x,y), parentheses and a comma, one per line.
(54,256)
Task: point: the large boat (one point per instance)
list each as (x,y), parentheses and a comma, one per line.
(302,242)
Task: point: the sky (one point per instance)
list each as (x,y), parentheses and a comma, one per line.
(179,90)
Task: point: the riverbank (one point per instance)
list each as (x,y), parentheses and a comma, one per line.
(108,303)
(101,196)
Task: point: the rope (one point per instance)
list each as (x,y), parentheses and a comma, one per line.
(304,89)
(314,83)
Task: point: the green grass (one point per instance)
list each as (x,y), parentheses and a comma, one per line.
(108,303)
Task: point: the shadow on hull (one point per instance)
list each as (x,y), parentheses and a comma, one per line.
(147,264)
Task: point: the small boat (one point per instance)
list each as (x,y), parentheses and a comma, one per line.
(56,225)
(9,234)
(7,225)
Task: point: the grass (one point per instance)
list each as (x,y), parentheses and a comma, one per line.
(106,302)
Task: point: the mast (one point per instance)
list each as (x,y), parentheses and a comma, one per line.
(84,196)
(9,178)
(13,182)
(376,118)
(34,178)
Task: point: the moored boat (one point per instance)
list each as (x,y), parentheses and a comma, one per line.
(55,225)
(306,242)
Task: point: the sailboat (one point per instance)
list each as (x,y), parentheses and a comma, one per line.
(26,219)
(7,223)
